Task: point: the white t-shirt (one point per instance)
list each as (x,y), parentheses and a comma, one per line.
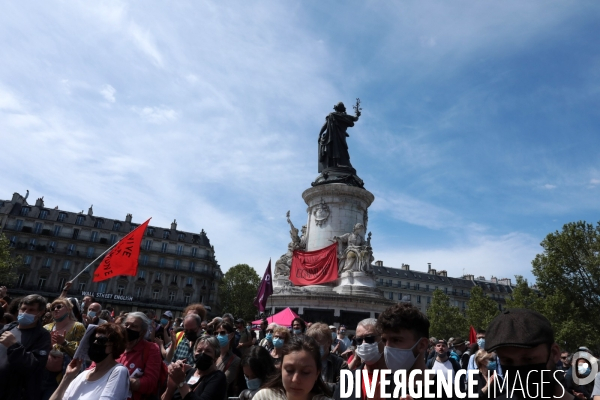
(444,366)
(113,385)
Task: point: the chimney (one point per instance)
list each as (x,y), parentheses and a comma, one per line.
(174,225)
(468,277)
(505,281)
(128,218)
(379,263)
(443,273)
(481,278)
(493,279)
(433,272)
(90,210)
(405,267)
(40,202)
(17,198)
(429,268)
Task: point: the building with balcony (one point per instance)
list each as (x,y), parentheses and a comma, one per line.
(416,287)
(175,267)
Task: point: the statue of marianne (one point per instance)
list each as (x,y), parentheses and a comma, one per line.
(333,149)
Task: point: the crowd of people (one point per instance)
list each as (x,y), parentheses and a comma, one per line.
(66,350)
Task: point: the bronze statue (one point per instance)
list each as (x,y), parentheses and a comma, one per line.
(333,149)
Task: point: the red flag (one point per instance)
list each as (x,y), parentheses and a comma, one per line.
(123,258)
(472,335)
(264,290)
(314,267)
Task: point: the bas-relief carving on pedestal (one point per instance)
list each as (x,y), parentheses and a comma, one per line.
(354,253)
(284,264)
(321,213)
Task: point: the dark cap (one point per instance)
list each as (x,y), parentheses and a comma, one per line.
(239,321)
(518,327)
(442,341)
(458,341)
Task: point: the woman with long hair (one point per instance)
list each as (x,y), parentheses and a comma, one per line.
(257,367)
(486,377)
(227,362)
(299,377)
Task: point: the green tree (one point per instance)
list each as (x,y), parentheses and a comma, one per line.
(524,296)
(567,275)
(238,290)
(446,321)
(8,263)
(481,310)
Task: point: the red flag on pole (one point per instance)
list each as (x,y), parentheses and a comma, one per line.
(472,335)
(314,267)
(123,258)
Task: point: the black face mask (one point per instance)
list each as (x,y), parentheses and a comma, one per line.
(132,335)
(97,352)
(540,384)
(203,361)
(191,336)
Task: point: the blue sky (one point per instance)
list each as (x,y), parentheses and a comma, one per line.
(478,134)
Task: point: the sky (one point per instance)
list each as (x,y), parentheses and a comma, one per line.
(478,135)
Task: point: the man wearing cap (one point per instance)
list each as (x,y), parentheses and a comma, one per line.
(524,342)
(442,361)
(163,331)
(337,346)
(246,339)
(459,347)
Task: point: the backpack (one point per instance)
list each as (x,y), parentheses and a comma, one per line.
(163,376)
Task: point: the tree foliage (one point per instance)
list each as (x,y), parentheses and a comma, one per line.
(481,310)
(8,263)
(445,320)
(524,296)
(567,275)
(238,290)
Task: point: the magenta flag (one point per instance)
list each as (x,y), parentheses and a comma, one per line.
(264,290)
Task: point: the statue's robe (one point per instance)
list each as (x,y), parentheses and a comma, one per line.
(333,149)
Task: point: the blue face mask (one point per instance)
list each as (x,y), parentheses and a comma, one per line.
(223,340)
(333,335)
(269,337)
(278,343)
(492,366)
(253,384)
(164,321)
(481,343)
(92,314)
(26,319)
(297,331)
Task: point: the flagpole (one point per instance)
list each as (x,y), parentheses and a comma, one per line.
(96,259)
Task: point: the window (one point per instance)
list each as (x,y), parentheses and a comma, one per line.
(428,300)
(90,252)
(57,230)
(139,291)
(43,214)
(181,236)
(21,281)
(13,241)
(94,237)
(189,281)
(446,290)
(157,276)
(408,285)
(51,246)
(389,282)
(82,286)
(32,243)
(113,238)
(419,299)
(462,292)
(417,286)
(61,217)
(179,250)
(177,264)
(48,263)
(38,228)
(27,260)
(66,264)
(194,250)
(148,245)
(42,282)
(19,225)
(427,288)
(161,262)
(70,249)
(98,223)
(174,279)
(24,211)
(102,287)
(155,294)
(192,266)
(171,296)
(132,227)
(121,290)
(381,281)
(116,226)
(186,298)
(399,296)
(166,234)
(150,232)
(144,260)
(61,284)
(391,295)
(399,283)
(79,220)
(142,274)
(163,247)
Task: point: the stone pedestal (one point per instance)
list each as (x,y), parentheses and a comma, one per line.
(333,210)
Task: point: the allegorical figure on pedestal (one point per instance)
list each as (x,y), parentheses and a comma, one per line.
(333,149)
(283,265)
(354,253)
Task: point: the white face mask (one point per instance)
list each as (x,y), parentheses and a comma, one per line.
(369,352)
(397,359)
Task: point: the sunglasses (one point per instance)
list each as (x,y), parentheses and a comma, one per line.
(370,339)
(564,358)
(56,307)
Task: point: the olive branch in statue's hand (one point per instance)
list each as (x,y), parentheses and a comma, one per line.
(357,108)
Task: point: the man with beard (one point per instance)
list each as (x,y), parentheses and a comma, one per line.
(524,342)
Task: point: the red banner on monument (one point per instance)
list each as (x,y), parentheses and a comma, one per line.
(314,267)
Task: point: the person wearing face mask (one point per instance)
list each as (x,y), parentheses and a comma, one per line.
(93,315)
(192,325)
(267,342)
(298,326)
(404,331)
(107,379)
(344,338)
(369,354)
(582,370)
(257,367)
(331,363)
(281,336)
(163,330)
(524,342)
(24,349)
(481,346)
(486,376)
(337,346)
(227,362)
(204,381)
(141,356)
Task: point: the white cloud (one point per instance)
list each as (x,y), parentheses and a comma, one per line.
(108,92)
(144,40)
(549,186)
(157,115)
(594,181)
